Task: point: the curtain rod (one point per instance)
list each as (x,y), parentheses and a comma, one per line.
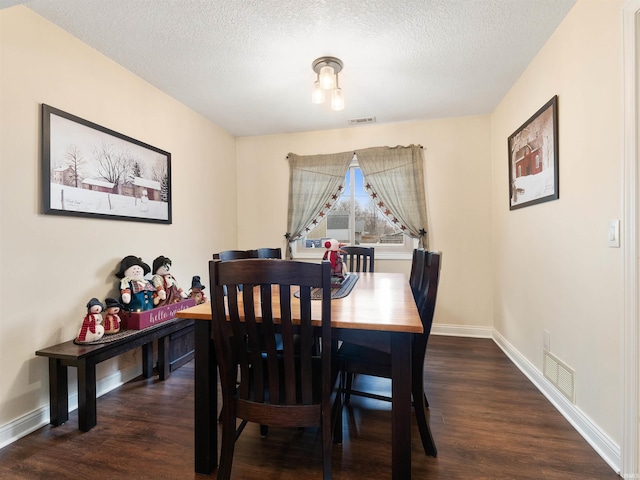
(354,152)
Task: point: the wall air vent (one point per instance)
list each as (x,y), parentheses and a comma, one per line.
(360,121)
(560,375)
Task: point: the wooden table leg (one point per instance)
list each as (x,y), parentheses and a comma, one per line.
(206,400)
(401,406)
(164,363)
(87,408)
(58,393)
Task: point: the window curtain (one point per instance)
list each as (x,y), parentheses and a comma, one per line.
(394,178)
(315,183)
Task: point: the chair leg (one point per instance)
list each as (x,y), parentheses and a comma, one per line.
(419,397)
(425,432)
(336,415)
(228,443)
(347,389)
(326,444)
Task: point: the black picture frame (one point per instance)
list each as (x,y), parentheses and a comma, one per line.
(533,159)
(91,171)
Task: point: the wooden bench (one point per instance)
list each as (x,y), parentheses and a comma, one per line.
(86,357)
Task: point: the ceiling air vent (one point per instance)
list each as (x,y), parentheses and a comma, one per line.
(360,121)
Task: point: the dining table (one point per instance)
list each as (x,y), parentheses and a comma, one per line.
(379,312)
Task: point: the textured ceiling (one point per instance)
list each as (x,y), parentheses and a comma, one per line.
(246,64)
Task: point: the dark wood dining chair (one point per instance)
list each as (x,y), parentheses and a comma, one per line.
(356,359)
(417,267)
(269,252)
(227,255)
(358,259)
(259,383)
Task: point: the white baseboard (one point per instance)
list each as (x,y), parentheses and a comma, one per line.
(461,331)
(601,443)
(32,421)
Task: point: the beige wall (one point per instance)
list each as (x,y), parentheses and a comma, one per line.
(50,266)
(458,184)
(552,265)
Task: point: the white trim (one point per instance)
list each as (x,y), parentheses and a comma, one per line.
(601,443)
(630,463)
(24,425)
(461,331)
(379,255)
(32,421)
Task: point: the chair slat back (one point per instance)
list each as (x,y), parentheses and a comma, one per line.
(428,293)
(246,337)
(417,268)
(227,255)
(269,252)
(359,259)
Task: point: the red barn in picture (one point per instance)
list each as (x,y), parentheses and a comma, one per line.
(529,159)
(97,185)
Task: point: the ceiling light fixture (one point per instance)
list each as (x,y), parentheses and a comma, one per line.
(327,69)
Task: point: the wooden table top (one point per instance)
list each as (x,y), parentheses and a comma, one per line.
(378,301)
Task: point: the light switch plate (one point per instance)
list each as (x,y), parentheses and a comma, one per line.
(613,233)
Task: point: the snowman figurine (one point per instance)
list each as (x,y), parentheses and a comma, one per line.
(196,291)
(167,289)
(136,292)
(333,253)
(111,322)
(144,202)
(91,329)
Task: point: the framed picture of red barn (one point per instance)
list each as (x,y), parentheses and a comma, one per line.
(533,159)
(92,171)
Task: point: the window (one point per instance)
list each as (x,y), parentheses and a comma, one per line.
(355,219)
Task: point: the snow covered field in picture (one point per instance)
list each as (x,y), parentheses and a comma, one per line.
(535,186)
(88,201)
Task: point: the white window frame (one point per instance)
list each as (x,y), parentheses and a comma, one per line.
(383,252)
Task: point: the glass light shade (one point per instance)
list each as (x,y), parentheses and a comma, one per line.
(317,96)
(337,100)
(327,78)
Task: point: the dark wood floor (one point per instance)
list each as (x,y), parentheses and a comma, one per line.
(488,421)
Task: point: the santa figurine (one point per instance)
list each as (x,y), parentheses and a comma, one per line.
(91,329)
(333,253)
(196,291)
(167,289)
(111,322)
(136,292)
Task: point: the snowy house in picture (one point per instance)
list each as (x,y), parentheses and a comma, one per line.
(98,185)
(152,188)
(62,176)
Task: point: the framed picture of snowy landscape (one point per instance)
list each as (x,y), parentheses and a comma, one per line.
(533,159)
(91,171)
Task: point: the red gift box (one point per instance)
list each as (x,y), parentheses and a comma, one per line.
(149,318)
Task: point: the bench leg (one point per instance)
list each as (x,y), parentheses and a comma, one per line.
(147,360)
(87,409)
(58,393)
(164,363)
